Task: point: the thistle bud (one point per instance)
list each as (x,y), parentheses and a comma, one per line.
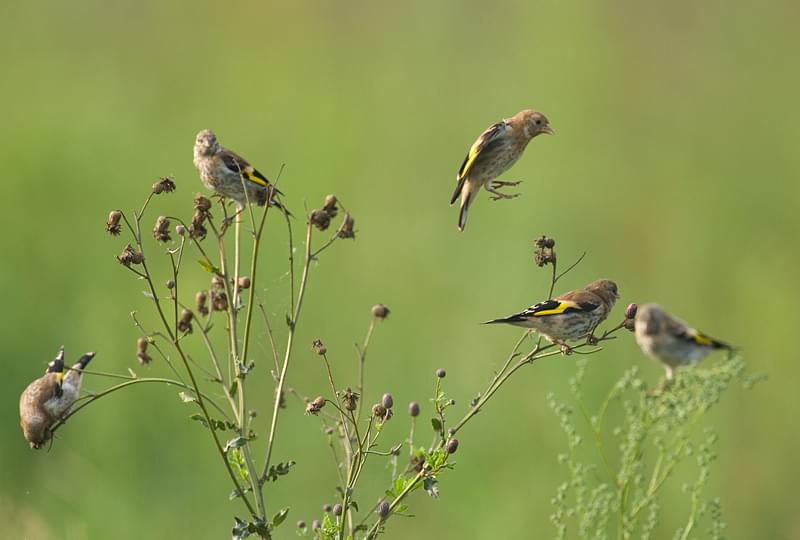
(315,406)
(383,509)
(379,311)
(170,284)
(350,399)
(346,230)
(180,230)
(244,282)
(185,322)
(301,524)
(327,508)
(452,446)
(337,509)
(629,324)
(441,373)
(318,347)
(201,203)
(630,311)
(219,301)
(200,302)
(413,409)
(112,225)
(387,401)
(161,229)
(141,351)
(316,525)
(130,256)
(164,185)
(320,219)
(330,205)
(378,410)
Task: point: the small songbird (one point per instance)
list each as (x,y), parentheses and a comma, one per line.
(671,341)
(227,173)
(495,151)
(570,316)
(47,399)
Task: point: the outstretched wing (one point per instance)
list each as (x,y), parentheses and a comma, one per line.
(559,307)
(484,141)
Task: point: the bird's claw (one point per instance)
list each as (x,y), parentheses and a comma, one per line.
(566,350)
(500,183)
(499,196)
(591,339)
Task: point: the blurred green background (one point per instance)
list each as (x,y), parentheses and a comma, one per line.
(675,166)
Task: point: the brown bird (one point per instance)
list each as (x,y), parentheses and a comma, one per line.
(495,151)
(570,316)
(47,399)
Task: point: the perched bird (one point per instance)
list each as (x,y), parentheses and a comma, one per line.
(228,174)
(570,316)
(49,398)
(495,151)
(671,341)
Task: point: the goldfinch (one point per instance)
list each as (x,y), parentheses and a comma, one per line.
(671,341)
(227,173)
(570,316)
(49,398)
(495,151)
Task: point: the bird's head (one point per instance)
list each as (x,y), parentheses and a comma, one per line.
(205,144)
(535,123)
(649,319)
(605,289)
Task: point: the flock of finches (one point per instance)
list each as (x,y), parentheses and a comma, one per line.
(568,317)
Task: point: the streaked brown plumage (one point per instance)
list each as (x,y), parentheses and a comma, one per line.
(493,153)
(670,340)
(570,316)
(49,398)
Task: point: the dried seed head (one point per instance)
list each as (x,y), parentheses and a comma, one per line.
(413,409)
(630,311)
(130,256)
(387,400)
(315,406)
(200,302)
(318,347)
(219,301)
(198,230)
(141,351)
(441,373)
(378,410)
(544,253)
(218,282)
(379,311)
(330,205)
(349,399)
(164,185)
(112,225)
(185,322)
(320,219)
(383,509)
(180,230)
(201,204)
(452,446)
(346,230)
(337,509)
(244,282)
(170,284)
(629,324)
(161,229)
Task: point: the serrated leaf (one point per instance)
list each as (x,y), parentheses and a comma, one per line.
(389,493)
(281,469)
(186,398)
(279,518)
(437,424)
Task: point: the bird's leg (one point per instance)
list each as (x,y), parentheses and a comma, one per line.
(500,183)
(497,195)
(566,350)
(591,339)
(228,221)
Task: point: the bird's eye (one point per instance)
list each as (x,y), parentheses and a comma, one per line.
(538,122)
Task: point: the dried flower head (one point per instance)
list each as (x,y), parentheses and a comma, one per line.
(185,322)
(629,324)
(379,311)
(164,185)
(378,410)
(544,253)
(218,282)
(320,219)
(346,230)
(349,399)
(219,301)
(413,409)
(141,351)
(161,229)
(112,225)
(452,446)
(244,282)
(198,231)
(130,256)
(318,347)
(387,400)
(202,204)
(315,406)
(200,302)
(330,206)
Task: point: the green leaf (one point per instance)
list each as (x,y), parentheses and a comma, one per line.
(208,267)
(431,486)
(354,504)
(234,386)
(279,518)
(281,469)
(437,424)
(236,442)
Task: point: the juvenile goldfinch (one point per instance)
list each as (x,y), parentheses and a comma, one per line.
(49,398)
(495,151)
(570,316)
(671,341)
(227,173)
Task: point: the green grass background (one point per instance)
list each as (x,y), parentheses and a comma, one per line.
(675,166)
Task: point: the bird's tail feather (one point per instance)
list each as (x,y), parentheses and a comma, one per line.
(85,359)
(457,192)
(517,318)
(462,214)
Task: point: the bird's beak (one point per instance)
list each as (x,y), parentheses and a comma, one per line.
(548,130)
